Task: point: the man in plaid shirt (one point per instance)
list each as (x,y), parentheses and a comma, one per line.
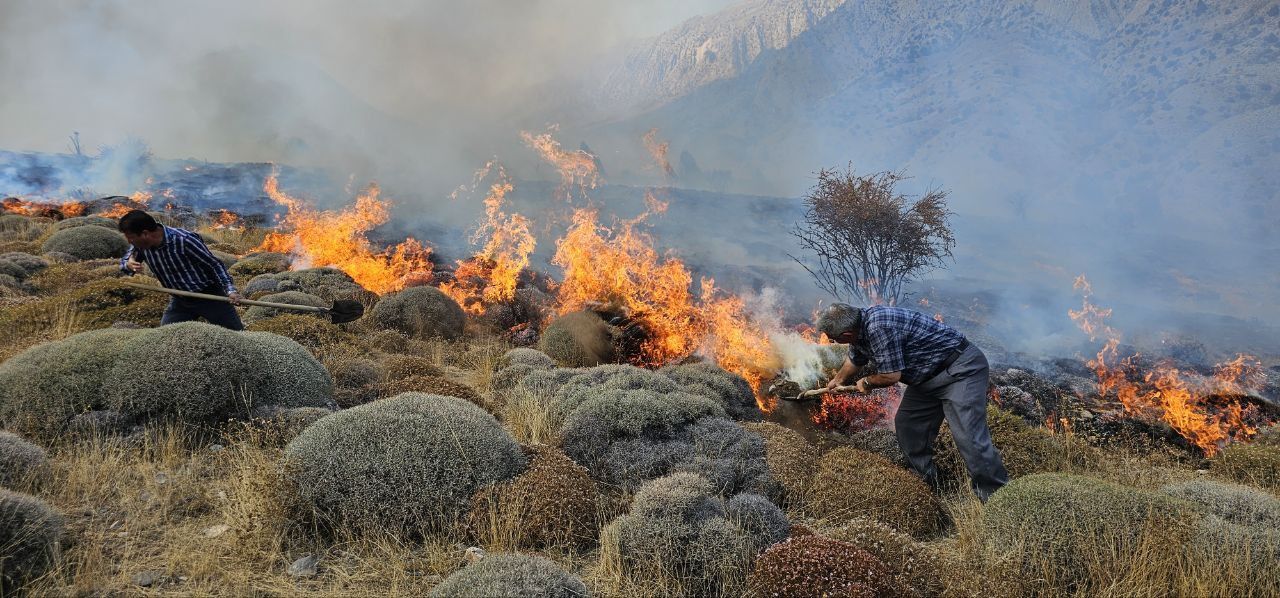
(180,260)
(946,378)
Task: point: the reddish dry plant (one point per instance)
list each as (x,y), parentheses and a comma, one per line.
(800,567)
(850,413)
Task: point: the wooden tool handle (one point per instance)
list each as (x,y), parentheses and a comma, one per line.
(147,287)
(822,391)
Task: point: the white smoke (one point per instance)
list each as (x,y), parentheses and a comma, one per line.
(803,361)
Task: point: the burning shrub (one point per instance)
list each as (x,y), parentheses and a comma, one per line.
(851,483)
(819,567)
(677,538)
(258,312)
(624,437)
(29,264)
(21,462)
(553,503)
(78,221)
(511,575)
(445,449)
(200,373)
(44,387)
(525,356)
(86,243)
(260,263)
(915,568)
(730,457)
(709,380)
(1055,525)
(764,523)
(291,375)
(792,460)
(850,413)
(30,537)
(1234,503)
(578,339)
(420,312)
(1250,463)
(434,385)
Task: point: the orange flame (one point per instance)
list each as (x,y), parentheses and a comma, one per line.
(490,276)
(1177,397)
(577,168)
(226,219)
(659,152)
(338,239)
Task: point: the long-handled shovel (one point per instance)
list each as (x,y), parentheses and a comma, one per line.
(343,311)
(810,394)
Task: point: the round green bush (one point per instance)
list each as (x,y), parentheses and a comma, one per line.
(709,380)
(349,468)
(730,457)
(820,567)
(316,334)
(1250,463)
(792,460)
(577,339)
(30,264)
(851,483)
(1056,524)
(355,373)
(260,263)
(396,367)
(79,221)
(258,312)
(86,243)
(30,538)
(420,312)
(44,387)
(763,521)
(526,356)
(589,383)
(12,270)
(291,375)
(1244,557)
(514,575)
(1234,503)
(552,503)
(677,536)
(330,284)
(21,462)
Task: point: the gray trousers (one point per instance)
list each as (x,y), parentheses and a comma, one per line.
(959,394)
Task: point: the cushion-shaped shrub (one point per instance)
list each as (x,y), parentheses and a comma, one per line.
(763,521)
(21,462)
(508,378)
(1024,449)
(30,536)
(12,270)
(792,460)
(1242,557)
(355,373)
(1250,463)
(524,355)
(86,243)
(30,264)
(1234,503)
(730,390)
(260,263)
(330,284)
(851,483)
(443,450)
(97,304)
(435,385)
(816,566)
(291,375)
(677,540)
(316,334)
(590,383)
(577,339)
(420,312)
(405,366)
(916,569)
(1055,524)
(881,441)
(43,388)
(731,457)
(552,503)
(624,437)
(514,575)
(78,221)
(258,312)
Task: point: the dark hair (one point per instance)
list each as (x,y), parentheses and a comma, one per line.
(136,222)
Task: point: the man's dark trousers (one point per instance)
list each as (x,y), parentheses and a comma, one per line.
(186,309)
(958,394)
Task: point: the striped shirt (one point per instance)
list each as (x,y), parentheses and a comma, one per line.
(182,261)
(903,340)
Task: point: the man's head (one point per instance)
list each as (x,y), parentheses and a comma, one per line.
(841,323)
(141,230)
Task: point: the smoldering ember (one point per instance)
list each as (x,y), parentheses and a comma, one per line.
(710,298)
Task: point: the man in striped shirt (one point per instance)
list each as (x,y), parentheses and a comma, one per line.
(181,260)
(946,378)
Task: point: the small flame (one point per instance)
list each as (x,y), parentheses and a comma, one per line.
(490,276)
(226,219)
(577,168)
(659,152)
(338,239)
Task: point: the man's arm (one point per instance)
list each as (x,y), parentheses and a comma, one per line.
(128,264)
(875,381)
(201,253)
(847,372)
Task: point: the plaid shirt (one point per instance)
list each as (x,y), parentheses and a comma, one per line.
(182,261)
(903,340)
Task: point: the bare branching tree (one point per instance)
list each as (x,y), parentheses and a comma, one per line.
(869,239)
